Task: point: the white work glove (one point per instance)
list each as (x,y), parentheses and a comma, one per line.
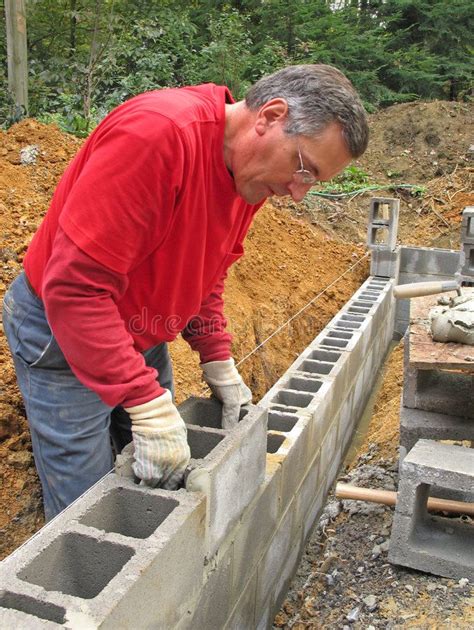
(161,447)
(227,386)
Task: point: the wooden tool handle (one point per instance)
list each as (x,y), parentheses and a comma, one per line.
(387,497)
(417,289)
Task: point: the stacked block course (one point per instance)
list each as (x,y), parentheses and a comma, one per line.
(382,237)
(219,553)
(439,545)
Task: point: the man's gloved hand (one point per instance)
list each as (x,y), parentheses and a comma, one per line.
(159,437)
(227,386)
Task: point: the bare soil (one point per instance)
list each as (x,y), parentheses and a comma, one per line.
(295,255)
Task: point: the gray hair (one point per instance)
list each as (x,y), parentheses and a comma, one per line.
(317,95)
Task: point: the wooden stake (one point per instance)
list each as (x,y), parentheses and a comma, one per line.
(387,497)
(17,52)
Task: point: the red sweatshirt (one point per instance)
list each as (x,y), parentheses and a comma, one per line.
(138,239)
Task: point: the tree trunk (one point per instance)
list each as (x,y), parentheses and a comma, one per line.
(72,27)
(17,53)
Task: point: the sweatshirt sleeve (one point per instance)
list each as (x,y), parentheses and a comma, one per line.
(206,333)
(80,296)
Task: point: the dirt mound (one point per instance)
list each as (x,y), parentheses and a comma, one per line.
(416,142)
(286,264)
(423,144)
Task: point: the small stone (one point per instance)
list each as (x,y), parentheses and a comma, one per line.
(360,569)
(379,540)
(376,551)
(21,460)
(431,587)
(371,602)
(463,582)
(353,615)
(29,154)
(409,588)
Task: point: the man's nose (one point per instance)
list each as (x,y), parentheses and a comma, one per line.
(298,191)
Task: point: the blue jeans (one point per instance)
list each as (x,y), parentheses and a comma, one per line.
(72,430)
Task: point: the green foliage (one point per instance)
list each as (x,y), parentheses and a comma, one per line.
(86,56)
(351,179)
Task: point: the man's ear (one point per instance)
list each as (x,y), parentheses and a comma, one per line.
(274,112)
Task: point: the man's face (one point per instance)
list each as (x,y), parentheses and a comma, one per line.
(266,166)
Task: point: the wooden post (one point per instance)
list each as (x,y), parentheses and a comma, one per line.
(17,52)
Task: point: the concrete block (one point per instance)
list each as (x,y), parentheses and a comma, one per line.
(385,263)
(339,340)
(22,611)
(467,225)
(423,541)
(347,420)
(328,449)
(467,269)
(229,474)
(333,470)
(282,583)
(257,526)
(243,615)
(227,466)
(383,223)
(439,391)
(315,510)
(273,560)
(416,424)
(295,455)
(307,491)
(427,262)
(215,602)
(100,577)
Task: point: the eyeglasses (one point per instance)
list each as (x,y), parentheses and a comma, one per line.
(302,175)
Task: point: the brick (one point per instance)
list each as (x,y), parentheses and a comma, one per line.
(423,541)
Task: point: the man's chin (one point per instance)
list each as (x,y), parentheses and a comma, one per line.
(255,196)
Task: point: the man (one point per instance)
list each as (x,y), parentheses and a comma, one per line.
(135,248)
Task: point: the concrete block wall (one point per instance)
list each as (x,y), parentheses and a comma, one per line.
(220,553)
(422,264)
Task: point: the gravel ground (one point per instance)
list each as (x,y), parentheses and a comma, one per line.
(345,581)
